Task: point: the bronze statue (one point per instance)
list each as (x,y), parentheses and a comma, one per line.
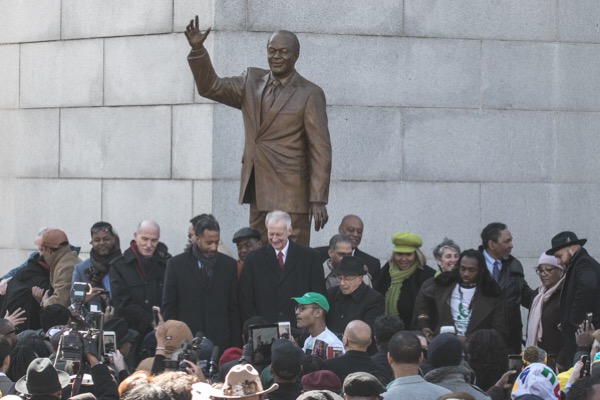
(287,154)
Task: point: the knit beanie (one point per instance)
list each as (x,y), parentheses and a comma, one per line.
(445,350)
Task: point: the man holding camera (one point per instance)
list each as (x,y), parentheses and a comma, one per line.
(94,270)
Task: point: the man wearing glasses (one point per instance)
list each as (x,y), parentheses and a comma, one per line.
(352,299)
(310,316)
(94,270)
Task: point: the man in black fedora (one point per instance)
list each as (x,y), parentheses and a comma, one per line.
(42,381)
(582,281)
(352,298)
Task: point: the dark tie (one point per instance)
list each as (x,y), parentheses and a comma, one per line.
(269,97)
(280,259)
(496,271)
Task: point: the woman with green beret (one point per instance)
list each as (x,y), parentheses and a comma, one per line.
(402,276)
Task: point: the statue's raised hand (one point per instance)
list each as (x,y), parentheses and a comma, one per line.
(194,36)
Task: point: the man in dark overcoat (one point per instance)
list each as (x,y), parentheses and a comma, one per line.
(201,288)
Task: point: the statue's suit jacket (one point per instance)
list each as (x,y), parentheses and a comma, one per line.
(290,151)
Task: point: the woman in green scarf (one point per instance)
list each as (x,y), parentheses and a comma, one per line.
(403,275)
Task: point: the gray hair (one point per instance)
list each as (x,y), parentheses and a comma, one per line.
(150,225)
(446,244)
(279,216)
(338,238)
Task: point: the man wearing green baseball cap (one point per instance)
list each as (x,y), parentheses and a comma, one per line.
(310,315)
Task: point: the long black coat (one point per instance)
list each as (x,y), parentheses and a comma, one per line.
(134,292)
(515,293)
(579,296)
(210,307)
(364,303)
(267,290)
(18,293)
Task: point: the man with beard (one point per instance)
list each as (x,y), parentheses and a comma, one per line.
(507,271)
(136,278)
(580,291)
(94,270)
(467,298)
(192,236)
(201,288)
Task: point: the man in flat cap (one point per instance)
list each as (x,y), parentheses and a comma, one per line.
(582,281)
(246,240)
(57,254)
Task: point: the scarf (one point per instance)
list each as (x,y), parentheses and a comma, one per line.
(393,293)
(208,263)
(144,264)
(100,265)
(534,322)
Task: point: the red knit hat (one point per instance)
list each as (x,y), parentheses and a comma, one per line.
(232,353)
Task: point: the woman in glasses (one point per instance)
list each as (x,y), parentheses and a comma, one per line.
(544,313)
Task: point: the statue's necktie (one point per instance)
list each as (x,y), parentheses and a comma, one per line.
(269,97)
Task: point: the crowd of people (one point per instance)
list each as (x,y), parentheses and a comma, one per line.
(285,321)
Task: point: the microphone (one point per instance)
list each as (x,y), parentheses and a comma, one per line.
(213,363)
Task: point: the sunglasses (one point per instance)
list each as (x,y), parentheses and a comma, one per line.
(105,228)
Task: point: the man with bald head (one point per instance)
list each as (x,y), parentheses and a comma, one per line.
(352,227)
(287,155)
(356,341)
(136,278)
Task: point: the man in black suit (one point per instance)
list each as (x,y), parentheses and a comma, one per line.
(275,273)
(201,288)
(352,227)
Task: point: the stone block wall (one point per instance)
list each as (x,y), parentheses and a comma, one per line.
(444,116)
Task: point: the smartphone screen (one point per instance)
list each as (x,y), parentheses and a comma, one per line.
(285,330)
(109,342)
(515,362)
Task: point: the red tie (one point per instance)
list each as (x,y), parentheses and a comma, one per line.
(280,259)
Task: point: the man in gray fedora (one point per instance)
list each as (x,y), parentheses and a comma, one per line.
(582,281)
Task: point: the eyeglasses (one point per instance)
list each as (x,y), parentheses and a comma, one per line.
(346,278)
(542,271)
(302,307)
